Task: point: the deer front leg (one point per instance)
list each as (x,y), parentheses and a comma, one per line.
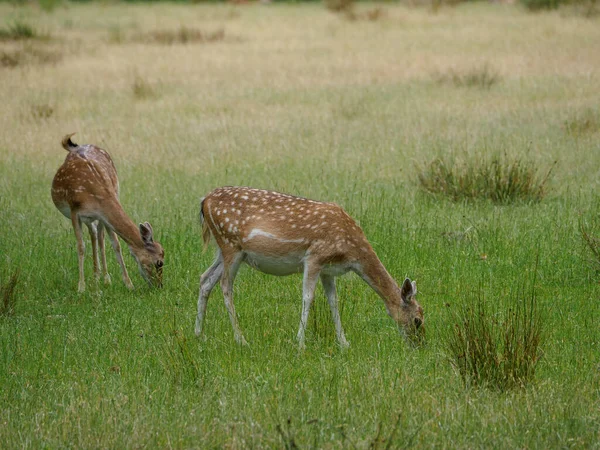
(94,238)
(330,292)
(80,249)
(114,240)
(309,283)
(208,280)
(103,253)
(231,264)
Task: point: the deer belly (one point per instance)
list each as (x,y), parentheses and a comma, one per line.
(276,265)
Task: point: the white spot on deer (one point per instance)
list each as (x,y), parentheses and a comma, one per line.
(245,197)
(224,211)
(226,219)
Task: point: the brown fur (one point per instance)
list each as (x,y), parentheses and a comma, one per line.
(86,189)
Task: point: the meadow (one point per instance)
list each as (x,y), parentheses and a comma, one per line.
(292,97)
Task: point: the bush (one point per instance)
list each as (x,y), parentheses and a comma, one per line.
(499,179)
(498,351)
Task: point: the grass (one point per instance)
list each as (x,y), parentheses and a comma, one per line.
(483,77)
(497,178)
(329,109)
(497,350)
(8,295)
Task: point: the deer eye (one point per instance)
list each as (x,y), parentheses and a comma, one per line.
(159,264)
(418,322)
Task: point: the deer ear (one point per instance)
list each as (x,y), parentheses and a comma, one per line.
(408,290)
(146,233)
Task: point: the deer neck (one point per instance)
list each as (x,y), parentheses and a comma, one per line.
(119,221)
(375,275)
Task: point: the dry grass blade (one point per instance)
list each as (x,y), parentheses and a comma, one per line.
(592,242)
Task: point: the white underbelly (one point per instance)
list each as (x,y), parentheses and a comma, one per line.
(280,265)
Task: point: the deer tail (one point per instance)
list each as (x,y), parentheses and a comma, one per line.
(68,144)
(205,228)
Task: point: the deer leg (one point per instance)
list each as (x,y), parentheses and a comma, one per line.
(94,237)
(330,292)
(80,248)
(309,283)
(103,253)
(114,240)
(231,264)
(208,280)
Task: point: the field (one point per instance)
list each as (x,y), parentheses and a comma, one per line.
(298,99)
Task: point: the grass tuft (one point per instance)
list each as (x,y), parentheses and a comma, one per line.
(592,242)
(42,111)
(483,77)
(183,35)
(584,123)
(179,362)
(496,352)
(8,293)
(19,31)
(499,179)
(141,88)
(28,55)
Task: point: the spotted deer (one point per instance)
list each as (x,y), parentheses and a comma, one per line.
(280,234)
(86,189)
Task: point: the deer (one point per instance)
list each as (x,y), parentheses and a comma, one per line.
(281,234)
(85,189)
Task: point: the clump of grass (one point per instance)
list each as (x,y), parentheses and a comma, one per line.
(592,242)
(27,55)
(183,35)
(586,122)
(340,6)
(141,88)
(499,179)
(42,111)
(537,5)
(8,294)
(483,77)
(19,31)
(497,351)
(179,362)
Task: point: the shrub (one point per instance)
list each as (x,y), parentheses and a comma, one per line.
(8,293)
(499,179)
(497,351)
(19,30)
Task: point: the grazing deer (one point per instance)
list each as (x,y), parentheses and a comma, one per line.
(280,234)
(86,189)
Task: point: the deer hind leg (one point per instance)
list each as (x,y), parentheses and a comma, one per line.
(231,264)
(309,283)
(105,273)
(80,248)
(208,280)
(330,292)
(92,228)
(114,240)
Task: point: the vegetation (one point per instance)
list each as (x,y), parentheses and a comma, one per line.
(338,110)
(497,178)
(497,350)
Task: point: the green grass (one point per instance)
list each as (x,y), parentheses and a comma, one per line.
(308,103)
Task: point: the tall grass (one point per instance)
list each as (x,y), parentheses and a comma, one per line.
(501,179)
(500,349)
